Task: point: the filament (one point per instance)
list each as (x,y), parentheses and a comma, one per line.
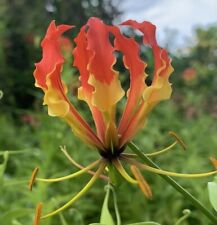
(33,177)
(163,150)
(38,213)
(123,172)
(178,140)
(81,193)
(144,186)
(65,152)
(76,174)
(167,173)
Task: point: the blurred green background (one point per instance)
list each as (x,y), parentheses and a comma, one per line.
(26,127)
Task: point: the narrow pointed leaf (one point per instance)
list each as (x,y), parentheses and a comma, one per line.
(106,217)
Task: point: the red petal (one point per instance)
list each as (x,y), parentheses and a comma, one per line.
(49,70)
(102,57)
(81,61)
(160,88)
(107,88)
(149,30)
(136,67)
(51,55)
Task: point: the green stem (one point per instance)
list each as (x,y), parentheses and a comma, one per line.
(173,183)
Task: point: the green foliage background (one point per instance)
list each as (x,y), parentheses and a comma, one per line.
(25,126)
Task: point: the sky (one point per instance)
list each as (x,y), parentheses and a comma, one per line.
(179,15)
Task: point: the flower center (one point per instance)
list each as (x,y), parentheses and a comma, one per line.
(111,154)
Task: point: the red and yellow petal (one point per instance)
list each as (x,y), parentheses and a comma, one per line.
(85,92)
(104,79)
(100,86)
(132,61)
(48,77)
(160,89)
(51,54)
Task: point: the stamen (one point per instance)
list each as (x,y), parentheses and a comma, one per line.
(214,161)
(76,174)
(163,150)
(180,141)
(143,184)
(65,152)
(168,148)
(167,173)
(198,175)
(82,192)
(38,213)
(123,172)
(33,177)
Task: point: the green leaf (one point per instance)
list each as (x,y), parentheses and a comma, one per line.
(106,217)
(145,223)
(212,188)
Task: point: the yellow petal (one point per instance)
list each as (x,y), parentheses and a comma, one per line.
(106,95)
(56,106)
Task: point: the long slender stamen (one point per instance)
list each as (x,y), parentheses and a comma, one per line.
(143,184)
(163,150)
(178,141)
(158,171)
(82,192)
(65,152)
(123,172)
(76,174)
(156,153)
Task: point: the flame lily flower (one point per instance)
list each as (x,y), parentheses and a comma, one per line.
(100,87)
(94,56)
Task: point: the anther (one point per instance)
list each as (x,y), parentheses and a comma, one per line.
(38,213)
(214,161)
(32,179)
(143,184)
(181,142)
